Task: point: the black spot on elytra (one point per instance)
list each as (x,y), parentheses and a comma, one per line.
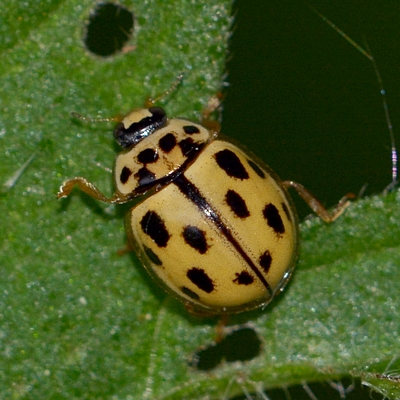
(265,261)
(230,163)
(236,204)
(244,278)
(152,256)
(256,169)
(153,226)
(195,238)
(191,129)
(190,293)
(287,212)
(167,142)
(147,156)
(186,146)
(199,277)
(274,220)
(144,176)
(125,175)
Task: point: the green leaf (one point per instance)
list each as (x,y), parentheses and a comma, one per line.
(80,321)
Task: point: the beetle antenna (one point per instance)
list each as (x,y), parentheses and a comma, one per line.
(150,102)
(88,119)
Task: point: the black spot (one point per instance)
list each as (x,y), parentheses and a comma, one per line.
(186,146)
(200,279)
(287,212)
(152,256)
(144,176)
(237,204)
(265,261)
(244,278)
(125,175)
(195,238)
(256,169)
(109,28)
(167,142)
(274,220)
(231,164)
(191,129)
(190,293)
(153,226)
(147,156)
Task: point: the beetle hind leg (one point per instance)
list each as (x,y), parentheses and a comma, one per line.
(315,204)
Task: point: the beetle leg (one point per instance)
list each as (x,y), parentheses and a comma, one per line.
(315,204)
(214,104)
(87,187)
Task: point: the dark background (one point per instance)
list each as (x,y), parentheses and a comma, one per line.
(306,101)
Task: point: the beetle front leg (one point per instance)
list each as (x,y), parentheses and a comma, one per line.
(316,206)
(87,187)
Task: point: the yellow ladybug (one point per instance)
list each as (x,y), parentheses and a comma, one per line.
(217,229)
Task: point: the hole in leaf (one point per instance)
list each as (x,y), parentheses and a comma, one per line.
(240,345)
(208,358)
(109,28)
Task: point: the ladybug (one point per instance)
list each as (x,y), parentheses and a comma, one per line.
(217,228)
